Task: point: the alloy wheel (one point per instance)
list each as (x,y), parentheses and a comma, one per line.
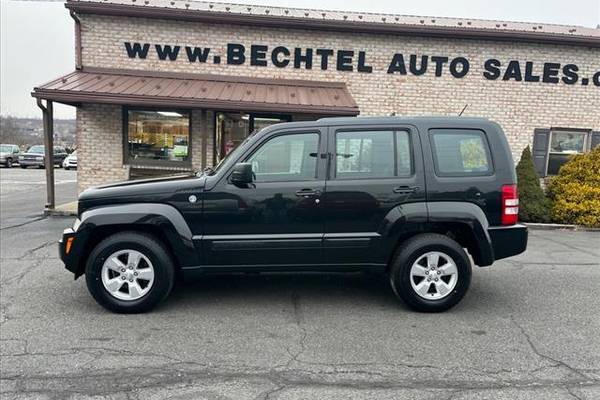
(127,275)
(433,275)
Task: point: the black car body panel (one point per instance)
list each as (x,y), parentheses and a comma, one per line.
(132,216)
(322,221)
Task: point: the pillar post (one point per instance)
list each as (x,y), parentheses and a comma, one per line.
(204,134)
(48,119)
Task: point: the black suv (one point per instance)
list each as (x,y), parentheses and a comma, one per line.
(404,197)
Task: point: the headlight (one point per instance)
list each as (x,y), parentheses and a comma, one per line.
(39,158)
(21,157)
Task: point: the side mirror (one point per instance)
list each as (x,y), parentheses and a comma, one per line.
(242,174)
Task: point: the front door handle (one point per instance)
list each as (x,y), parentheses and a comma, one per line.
(405,189)
(308,192)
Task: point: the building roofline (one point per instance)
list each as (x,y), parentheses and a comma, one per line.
(207,13)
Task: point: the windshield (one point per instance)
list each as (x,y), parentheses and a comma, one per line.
(6,149)
(39,149)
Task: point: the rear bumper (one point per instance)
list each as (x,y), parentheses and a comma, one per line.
(508,241)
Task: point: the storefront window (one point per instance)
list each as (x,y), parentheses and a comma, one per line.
(158,136)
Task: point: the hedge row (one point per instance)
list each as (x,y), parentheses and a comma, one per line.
(573,195)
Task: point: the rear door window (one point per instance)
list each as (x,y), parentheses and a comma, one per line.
(460,152)
(372,154)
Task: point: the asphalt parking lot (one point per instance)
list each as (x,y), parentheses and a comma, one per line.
(529,328)
(23,192)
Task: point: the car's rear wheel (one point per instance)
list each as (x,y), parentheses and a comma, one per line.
(430,273)
(129,272)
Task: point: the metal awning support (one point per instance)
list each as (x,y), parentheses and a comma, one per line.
(48,115)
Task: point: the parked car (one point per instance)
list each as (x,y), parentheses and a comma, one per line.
(34,157)
(409,198)
(70,161)
(9,154)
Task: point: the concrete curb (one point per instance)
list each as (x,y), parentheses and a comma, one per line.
(556,227)
(60,213)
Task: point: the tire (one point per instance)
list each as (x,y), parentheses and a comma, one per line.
(66,168)
(9,163)
(154,255)
(23,166)
(440,288)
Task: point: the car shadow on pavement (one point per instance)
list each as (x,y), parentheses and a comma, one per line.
(350,291)
(267,288)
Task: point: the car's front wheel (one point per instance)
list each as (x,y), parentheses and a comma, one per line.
(9,163)
(129,272)
(430,273)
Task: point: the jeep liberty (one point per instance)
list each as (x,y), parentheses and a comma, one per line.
(408,197)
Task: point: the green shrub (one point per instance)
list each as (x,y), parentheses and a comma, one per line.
(534,206)
(576,190)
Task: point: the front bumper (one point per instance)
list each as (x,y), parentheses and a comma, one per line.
(508,241)
(70,253)
(31,163)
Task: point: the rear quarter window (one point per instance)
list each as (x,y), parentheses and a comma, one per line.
(460,152)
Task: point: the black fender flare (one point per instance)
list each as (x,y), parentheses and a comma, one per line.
(471,216)
(410,219)
(155,216)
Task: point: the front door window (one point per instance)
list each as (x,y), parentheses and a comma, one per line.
(287,158)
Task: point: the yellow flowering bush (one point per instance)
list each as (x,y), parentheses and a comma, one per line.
(576,191)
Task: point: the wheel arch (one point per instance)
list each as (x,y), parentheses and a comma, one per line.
(162,221)
(463,222)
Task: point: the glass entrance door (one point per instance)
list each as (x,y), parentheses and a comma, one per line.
(232,128)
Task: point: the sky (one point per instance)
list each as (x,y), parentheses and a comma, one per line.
(37,37)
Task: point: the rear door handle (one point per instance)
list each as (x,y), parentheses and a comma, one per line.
(405,189)
(308,192)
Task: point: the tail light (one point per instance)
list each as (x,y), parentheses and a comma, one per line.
(510,205)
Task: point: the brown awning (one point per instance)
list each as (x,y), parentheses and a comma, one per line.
(144,88)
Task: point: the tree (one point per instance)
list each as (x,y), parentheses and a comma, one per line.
(534,206)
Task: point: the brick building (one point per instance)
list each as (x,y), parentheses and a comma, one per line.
(164,86)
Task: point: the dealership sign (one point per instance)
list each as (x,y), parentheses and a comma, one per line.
(348,60)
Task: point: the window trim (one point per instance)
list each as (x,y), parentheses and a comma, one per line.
(394,130)
(168,164)
(487,148)
(245,158)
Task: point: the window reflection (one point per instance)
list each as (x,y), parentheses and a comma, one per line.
(158,135)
